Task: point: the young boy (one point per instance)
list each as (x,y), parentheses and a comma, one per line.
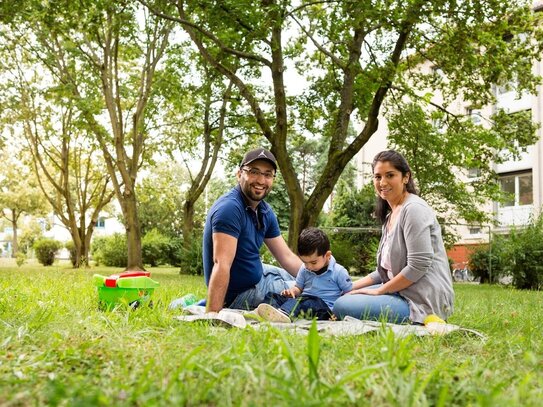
(320,282)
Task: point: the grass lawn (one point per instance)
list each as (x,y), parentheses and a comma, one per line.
(58,348)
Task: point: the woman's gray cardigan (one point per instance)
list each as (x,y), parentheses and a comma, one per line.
(418,253)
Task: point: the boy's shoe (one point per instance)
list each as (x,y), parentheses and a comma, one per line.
(269,313)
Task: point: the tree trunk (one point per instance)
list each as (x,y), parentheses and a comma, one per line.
(86,249)
(81,245)
(188,223)
(14,244)
(133,232)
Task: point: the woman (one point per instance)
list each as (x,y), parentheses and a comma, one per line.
(413,278)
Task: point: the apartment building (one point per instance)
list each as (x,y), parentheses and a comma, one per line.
(522,178)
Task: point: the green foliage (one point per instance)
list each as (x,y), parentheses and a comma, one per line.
(525,256)
(353,208)
(175,251)
(365,54)
(29,234)
(70,245)
(46,249)
(518,255)
(278,200)
(487,262)
(160,204)
(437,154)
(110,250)
(355,249)
(20,258)
(155,248)
(191,260)
(352,228)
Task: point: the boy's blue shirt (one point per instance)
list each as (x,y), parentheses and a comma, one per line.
(328,286)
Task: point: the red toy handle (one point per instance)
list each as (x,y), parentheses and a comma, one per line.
(111,281)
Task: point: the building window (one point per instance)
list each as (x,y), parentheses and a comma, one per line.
(474,230)
(439,125)
(474,173)
(518,188)
(506,87)
(101,222)
(437,71)
(475,116)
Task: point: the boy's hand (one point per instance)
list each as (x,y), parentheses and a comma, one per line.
(291,292)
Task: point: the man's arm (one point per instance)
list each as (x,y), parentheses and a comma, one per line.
(282,253)
(224,250)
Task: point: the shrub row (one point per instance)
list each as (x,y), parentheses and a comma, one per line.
(355,251)
(157,249)
(518,255)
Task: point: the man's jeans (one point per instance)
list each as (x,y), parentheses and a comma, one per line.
(274,279)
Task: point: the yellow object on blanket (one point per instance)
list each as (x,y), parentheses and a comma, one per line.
(433,318)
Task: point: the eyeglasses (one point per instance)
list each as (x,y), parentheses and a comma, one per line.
(253,172)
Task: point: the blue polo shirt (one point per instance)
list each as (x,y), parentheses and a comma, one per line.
(230,214)
(328,286)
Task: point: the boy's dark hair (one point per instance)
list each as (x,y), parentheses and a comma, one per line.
(311,240)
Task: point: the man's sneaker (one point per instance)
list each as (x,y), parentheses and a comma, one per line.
(269,313)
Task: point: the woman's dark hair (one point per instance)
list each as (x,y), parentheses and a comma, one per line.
(313,240)
(399,163)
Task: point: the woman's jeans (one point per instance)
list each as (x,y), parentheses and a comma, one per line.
(274,279)
(390,307)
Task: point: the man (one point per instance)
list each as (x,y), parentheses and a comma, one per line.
(237,225)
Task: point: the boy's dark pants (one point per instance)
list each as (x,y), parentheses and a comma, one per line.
(308,305)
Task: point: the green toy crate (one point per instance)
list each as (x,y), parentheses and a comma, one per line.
(130,288)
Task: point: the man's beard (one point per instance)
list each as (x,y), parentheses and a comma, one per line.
(249,193)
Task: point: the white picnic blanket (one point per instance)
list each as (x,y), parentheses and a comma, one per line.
(234,318)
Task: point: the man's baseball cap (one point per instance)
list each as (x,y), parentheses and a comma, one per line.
(259,154)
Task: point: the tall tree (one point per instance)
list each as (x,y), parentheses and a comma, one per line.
(194,105)
(104,56)
(67,164)
(352,55)
(19,193)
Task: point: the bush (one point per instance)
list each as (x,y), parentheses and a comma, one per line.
(155,248)
(175,251)
(110,250)
(525,256)
(46,249)
(486,260)
(191,261)
(20,258)
(355,250)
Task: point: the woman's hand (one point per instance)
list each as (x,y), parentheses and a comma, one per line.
(367,291)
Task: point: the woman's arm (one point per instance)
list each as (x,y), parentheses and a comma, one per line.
(398,283)
(361,283)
